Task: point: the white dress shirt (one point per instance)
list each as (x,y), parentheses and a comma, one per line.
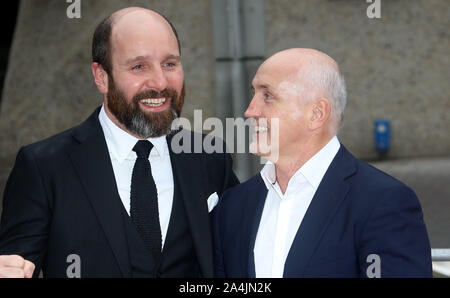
(283,213)
(120,146)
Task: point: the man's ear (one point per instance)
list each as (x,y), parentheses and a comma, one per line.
(320,113)
(100,77)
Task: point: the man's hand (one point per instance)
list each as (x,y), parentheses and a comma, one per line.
(15,267)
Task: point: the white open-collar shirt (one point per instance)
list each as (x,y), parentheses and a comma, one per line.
(120,147)
(283,213)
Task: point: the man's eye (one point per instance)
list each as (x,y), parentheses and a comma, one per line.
(170,64)
(267,96)
(137,67)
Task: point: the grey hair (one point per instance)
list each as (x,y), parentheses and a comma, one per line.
(334,84)
(325,79)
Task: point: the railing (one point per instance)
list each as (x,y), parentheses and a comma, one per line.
(440,254)
(441,261)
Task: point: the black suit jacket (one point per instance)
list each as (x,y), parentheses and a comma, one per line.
(357,212)
(61,199)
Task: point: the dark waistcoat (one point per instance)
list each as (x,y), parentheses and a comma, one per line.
(178,256)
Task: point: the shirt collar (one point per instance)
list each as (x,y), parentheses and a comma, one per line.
(120,143)
(316,167)
(268,174)
(313,170)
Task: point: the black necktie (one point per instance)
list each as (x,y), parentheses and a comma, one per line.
(144,200)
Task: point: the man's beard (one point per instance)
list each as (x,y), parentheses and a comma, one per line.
(140,123)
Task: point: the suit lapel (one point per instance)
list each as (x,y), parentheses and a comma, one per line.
(256,196)
(93,165)
(331,192)
(188,180)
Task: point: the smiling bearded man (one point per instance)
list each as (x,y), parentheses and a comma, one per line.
(144,123)
(140,209)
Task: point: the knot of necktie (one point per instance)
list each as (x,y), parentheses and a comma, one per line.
(143,148)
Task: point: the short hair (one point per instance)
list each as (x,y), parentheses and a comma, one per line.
(101,42)
(334,83)
(328,78)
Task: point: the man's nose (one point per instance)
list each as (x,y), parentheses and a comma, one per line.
(253,111)
(157,79)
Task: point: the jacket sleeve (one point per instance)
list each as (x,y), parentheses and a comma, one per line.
(230,177)
(394,240)
(219,266)
(26,213)
(220,170)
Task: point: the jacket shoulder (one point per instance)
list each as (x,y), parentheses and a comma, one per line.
(52,145)
(65,140)
(239,190)
(375,180)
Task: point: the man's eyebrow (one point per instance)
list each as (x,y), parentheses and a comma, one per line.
(145,57)
(261,86)
(175,57)
(135,59)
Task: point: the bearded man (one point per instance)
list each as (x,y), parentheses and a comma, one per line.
(110,198)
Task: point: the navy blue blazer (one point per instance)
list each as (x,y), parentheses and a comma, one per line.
(357,211)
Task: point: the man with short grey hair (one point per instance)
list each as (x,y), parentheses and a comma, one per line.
(314,210)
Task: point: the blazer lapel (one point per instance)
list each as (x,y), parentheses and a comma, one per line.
(256,196)
(331,192)
(188,180)
(93,165)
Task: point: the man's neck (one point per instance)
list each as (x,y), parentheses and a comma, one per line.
(288,164)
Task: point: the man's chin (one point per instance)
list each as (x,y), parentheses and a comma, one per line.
(260,150)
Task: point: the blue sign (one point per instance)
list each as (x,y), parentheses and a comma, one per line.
(382,135)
